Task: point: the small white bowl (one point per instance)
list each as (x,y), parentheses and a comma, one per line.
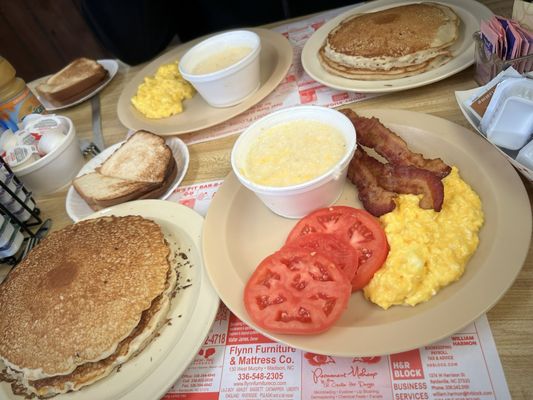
(296,201)
(233,84)
(55,169)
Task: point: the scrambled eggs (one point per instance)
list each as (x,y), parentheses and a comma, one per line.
(428,249)
(162,95)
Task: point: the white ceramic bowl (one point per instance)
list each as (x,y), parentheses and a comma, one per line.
(296,201)
(233,84)
(57,168)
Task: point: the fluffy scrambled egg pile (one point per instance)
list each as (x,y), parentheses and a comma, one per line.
(428,249)
(162,95)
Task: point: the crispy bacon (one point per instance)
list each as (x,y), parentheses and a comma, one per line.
(372,133)
(378,183)
(376,200)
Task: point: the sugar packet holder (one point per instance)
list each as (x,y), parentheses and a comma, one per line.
(488,65)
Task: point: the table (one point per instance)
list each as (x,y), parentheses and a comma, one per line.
(511,319)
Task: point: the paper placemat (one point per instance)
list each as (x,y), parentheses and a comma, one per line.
(236,362)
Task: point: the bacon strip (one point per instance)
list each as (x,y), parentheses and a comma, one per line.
(372,133)
(378,184)
(376,200)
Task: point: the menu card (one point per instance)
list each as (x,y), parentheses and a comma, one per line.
(297,88)
(236,362)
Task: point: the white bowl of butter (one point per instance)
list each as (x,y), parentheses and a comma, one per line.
(224,68)
(295,160)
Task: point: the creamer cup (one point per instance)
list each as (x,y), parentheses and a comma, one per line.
(8,140)
(50,141)
(27,138)
(48,123)
(21,156)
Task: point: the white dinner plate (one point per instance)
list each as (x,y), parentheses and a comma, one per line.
(150,374)
(77,208)
(470,12)
(239,232)
(110,65)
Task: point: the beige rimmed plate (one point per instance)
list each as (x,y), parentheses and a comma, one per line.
(110,65)
(150,374)
(275,59)
(470,12)
(240,231)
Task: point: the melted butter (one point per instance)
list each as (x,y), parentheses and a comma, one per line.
(293,152)
(221,60)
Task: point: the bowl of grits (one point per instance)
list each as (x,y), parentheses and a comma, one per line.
(295,160)
(224,68)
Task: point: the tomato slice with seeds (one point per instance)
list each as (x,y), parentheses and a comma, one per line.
(361,229)
(296,291)
(339,251)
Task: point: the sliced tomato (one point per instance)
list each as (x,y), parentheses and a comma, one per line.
(339,251)
(296,291)
(362,230)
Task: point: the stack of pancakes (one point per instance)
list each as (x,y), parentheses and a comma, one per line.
(83,302)
(393,43)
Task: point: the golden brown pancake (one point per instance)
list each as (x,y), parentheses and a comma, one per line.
(88,373)
(79,294)
(393,43)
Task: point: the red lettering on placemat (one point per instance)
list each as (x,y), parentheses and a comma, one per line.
(339,97)
(240,333)
(407,365)
(307,96)
(191,396)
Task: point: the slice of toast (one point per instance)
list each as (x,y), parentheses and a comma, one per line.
(144,157)
(72,82)
(100,191)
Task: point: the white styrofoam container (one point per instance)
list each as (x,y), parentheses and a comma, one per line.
(55,169)
(229,86)
(508,120)
(525,155)
(296,201)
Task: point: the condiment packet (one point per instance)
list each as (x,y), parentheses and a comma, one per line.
(20,156)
